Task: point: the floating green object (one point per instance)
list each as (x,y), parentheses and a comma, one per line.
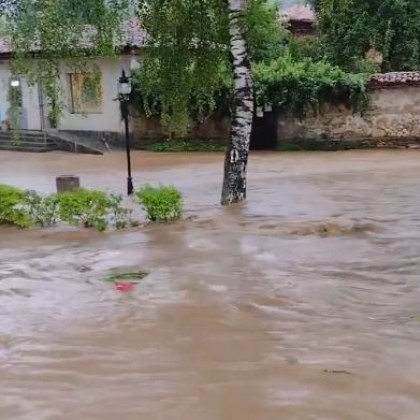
(126,276)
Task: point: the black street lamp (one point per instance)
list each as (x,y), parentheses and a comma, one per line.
(124,90)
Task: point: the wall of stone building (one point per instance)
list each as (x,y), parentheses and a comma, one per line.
(147,131)
(393,115)
(392,119)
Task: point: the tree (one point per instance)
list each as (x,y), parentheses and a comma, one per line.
(189,55)
(195,48)
(350,28)
(60,33)
(236,160)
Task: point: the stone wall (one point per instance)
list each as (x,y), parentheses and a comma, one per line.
(391,120)
(393,117)
(147,131)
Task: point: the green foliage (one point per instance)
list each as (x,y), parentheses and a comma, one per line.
(56,32)
(296,86)
(126,276)
(148,97)
(120,216)
(305,47)
(295,83)
(162,204)
(14,112)
(43,211)
(350,28)
(316,4)
(93,209)
(91,88)
(266,37)
(27,208)
(87,208)
(188,73)
(295,77)
(12,207)
(185,146)
(189,58)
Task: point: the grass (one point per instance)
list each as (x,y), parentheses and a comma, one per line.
(185,146)
(294,145)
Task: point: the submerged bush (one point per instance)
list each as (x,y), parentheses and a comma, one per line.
(178,145)
(43,211)
(121,217)
(12,207)
(162,204)
(88,208)
(93,209)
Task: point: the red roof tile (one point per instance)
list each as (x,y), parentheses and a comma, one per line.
(300,13)
(395,79)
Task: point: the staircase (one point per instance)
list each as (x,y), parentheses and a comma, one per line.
(41,142)
(23,141)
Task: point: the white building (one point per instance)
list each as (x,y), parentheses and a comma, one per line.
(100,113)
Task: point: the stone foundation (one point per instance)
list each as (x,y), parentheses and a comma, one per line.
(147,131)
(391,120)
(301,144)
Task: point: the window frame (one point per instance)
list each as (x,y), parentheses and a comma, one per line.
(76,109)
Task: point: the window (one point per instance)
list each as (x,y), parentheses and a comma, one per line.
(86,93)
(15,92)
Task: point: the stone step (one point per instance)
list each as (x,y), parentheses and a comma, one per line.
(45,141)
(29,149)
(25,136)
(80,143)
(9,134)
(27,143)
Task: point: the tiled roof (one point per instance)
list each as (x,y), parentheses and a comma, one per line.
(131,34)
(395,79)
(300,13)
(5,45)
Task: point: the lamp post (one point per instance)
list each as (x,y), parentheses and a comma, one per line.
(124,90)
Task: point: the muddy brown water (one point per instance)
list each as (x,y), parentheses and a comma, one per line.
(303,303)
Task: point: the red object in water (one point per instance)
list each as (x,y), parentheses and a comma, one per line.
(124,286)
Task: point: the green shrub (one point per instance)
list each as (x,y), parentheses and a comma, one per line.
(88,208)
(121,217)
(304,47)
(92,208)
(81,207)
(286,146)
(296,87)
(12,207)
(185,146)
(162,204)
(43,211)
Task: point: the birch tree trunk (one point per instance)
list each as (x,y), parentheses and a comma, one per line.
(236,160)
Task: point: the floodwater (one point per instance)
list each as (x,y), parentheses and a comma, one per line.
(303,303)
